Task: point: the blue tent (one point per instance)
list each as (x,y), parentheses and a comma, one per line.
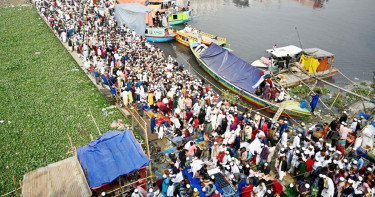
(133,16)
(231,67)
(113,154)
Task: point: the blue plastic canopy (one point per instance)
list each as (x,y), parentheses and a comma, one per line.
(231,67)
(113,154)
(133,16)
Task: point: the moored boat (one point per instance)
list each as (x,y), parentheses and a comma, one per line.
(187,33)
(180,17)
(159,34)
(301,61)
(241,78)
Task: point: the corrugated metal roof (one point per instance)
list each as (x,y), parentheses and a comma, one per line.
(63,178)
(318,53)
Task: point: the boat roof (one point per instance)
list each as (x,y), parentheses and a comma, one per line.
(318,53)
(283,51)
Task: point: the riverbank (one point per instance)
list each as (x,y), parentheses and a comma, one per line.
(45,97)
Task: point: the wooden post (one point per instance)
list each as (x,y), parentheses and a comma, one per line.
(71,145)
(15,186)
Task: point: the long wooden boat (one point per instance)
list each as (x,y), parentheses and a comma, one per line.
(291,108)
(159,34)
(183,38)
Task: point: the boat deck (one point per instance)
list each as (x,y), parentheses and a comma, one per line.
(206,38)
(288,79)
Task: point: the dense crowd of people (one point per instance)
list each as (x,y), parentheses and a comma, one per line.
(253,152)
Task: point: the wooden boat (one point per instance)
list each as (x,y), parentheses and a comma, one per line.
(183,38)
(180,17)
(159,34)
(203,55)
(314,61)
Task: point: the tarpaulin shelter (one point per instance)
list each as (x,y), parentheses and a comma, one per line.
(132,15)
(113,154)
(63,178)
(231,67)
(309,63)
(325,58)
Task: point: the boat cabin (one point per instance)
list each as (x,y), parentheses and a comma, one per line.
(279,54)
(316,60)
(158,31)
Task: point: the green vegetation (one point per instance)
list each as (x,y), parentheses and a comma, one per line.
(373,86)
(303,91)
(43,96)
(363,84)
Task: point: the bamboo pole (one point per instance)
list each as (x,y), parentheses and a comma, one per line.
(148,148)
(334,101)
(96,125)
(15,186)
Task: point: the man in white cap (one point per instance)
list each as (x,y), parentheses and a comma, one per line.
(329,187)
(344,131)
(150,193)
(340,186)
(136,193)
(296,140)
(214,152)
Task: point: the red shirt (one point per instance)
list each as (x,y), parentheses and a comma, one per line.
(309,164)
(246,191)
(220,156)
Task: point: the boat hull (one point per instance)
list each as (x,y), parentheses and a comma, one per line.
(253,99)
(160,39)
(179,21)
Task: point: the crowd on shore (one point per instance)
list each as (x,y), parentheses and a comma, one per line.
(255,153)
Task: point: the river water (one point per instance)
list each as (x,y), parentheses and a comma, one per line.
(345,28)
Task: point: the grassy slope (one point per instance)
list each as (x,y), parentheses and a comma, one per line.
(42,97)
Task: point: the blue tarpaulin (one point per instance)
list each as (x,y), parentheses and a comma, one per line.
(194,182)
(231,67)
(113,154)
(132,15)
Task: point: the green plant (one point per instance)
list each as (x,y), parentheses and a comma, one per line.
(363,83)
(43,97)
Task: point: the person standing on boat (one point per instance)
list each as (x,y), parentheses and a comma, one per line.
(287,60)
(314,101)
(199,36)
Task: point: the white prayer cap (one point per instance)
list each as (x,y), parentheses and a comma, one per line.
(360,178)
(282,149)
(247,166)
(299,135)
(369,169)
(150,190)
(188,186)
(231,163)
(257,112)
(345,161)
(335,161)
(290,147)
(195,189)
(216,192)
(256,175)
(355,162)
(266,164)
(136,190)
(342,179)
(350,181)
(311,146)
(204,189)
(339,152)
(291,185)
(307,185)
(230,159)
(103,193)
(303,124)
(316,159)
(303,148)
(212,177)
(164,176)
(344,112)
(286,122)
(297,151)
(215,142)
(320,139)
(269,191)
(341,166)
(285,146)
(262,144)
(226,152)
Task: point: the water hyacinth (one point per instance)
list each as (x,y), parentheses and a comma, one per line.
(42,100)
